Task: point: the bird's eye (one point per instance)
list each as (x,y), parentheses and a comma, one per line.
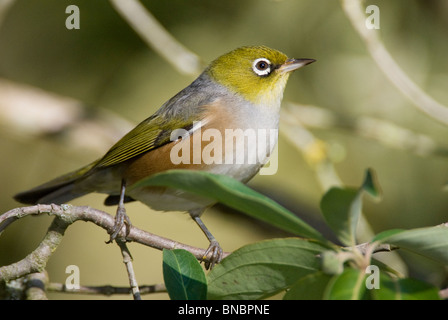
(262,66)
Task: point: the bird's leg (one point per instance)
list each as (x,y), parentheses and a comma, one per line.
(214,248)
(121,217)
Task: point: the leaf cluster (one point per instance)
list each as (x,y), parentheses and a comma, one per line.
(308,266)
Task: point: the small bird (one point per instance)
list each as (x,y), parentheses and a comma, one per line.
(241,90)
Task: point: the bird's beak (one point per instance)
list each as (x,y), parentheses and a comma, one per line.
(294,64)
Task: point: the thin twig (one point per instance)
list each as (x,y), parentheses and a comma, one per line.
(127,259)
(155,35)
(5,5)
(28,111)
(389,67)
(369,248)
(382,131)
(105,290)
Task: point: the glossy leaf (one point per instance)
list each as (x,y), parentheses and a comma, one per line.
(431,242)
(234,194)
(392,288)
(341,208)
(183,275)
(349,285)
(263,269)
(310,287)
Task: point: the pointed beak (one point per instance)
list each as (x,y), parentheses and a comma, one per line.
(294,64)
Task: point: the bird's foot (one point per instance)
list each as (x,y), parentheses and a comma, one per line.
(121,219)
(215,251)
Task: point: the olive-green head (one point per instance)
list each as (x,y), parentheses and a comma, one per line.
(257,73)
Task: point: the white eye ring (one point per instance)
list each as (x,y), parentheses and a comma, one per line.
(261,66)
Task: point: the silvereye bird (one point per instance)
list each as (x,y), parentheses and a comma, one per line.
(242,89)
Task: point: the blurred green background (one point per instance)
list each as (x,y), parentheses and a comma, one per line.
(106,66)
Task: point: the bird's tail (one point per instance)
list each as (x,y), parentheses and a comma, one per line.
(57,191)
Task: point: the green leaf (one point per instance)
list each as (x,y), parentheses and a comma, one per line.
(385,234)
(310,287)
(349,285)
(371,185)
(431,242)
(392,288)
(183,275)
(263,269)
(341,208)
(234,194)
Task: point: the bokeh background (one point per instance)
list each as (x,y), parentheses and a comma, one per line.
(67,95)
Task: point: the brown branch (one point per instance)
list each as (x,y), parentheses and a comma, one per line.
(105,290)
(36,260)
(64,216)
(30,287)
(364,248)
(36,286)
(127,259)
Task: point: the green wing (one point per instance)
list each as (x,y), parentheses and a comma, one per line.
(148,135)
